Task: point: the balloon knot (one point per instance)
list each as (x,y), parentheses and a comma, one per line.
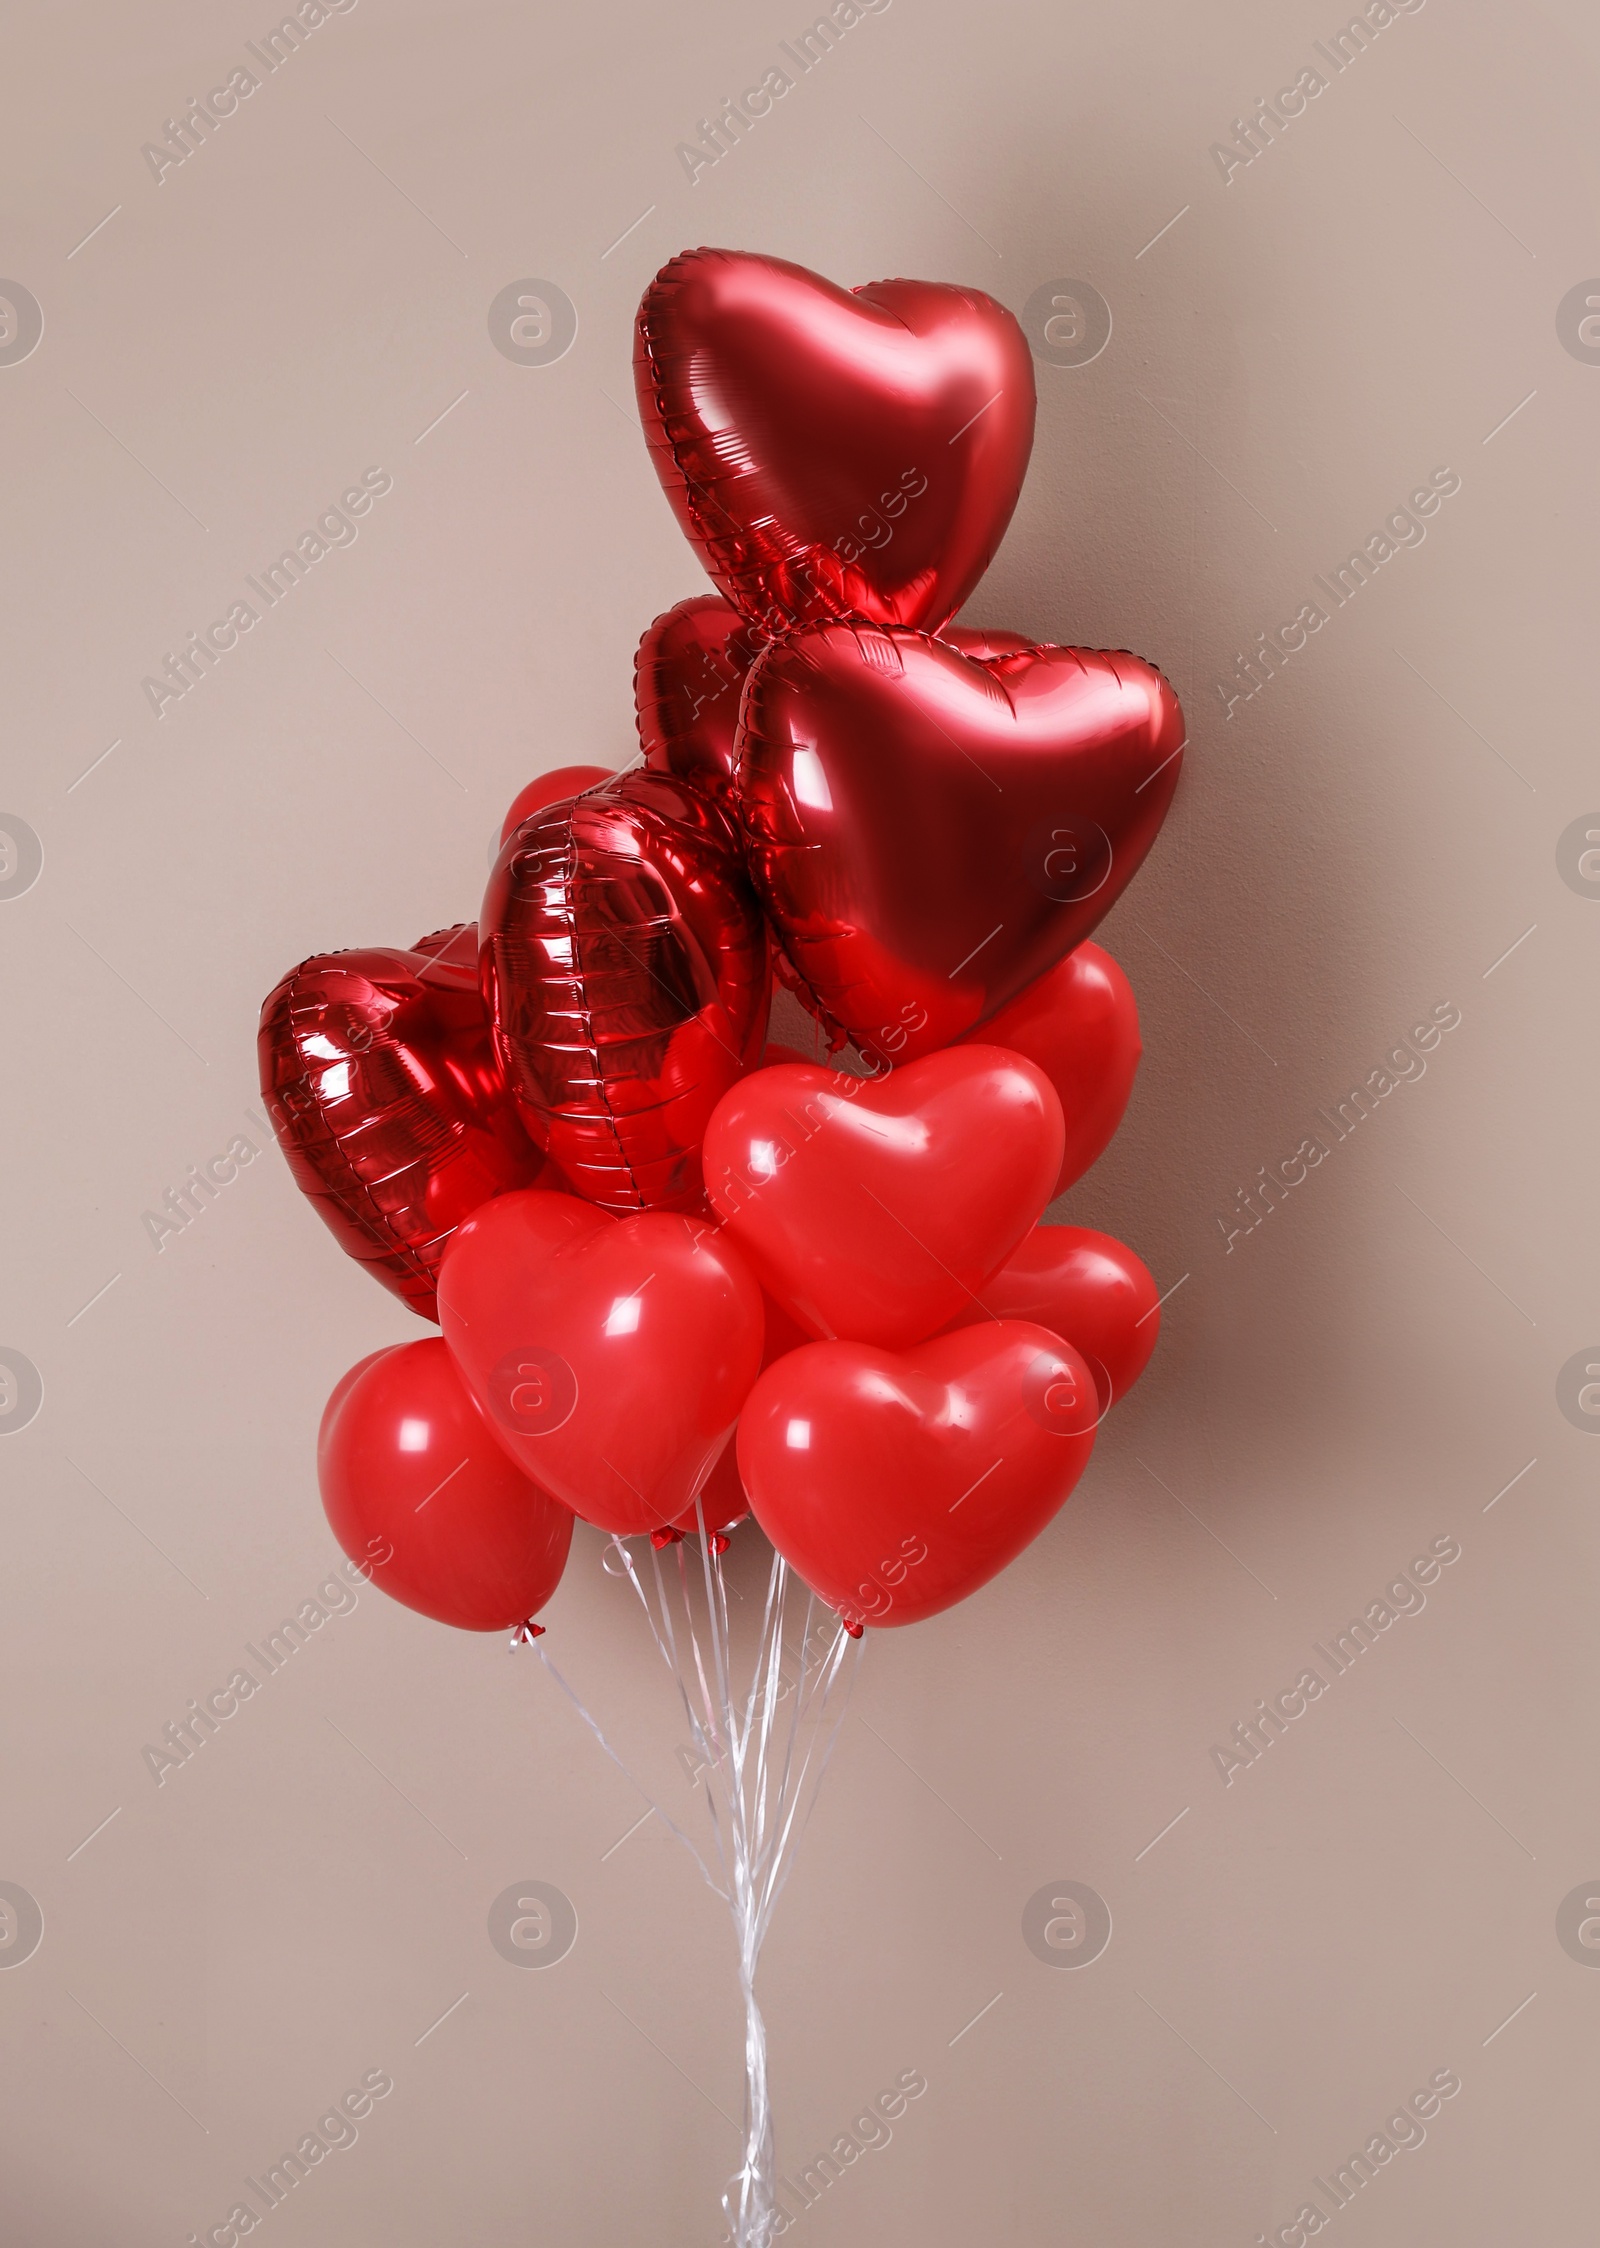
(719,1541)
(665,1537)
(855,1630)
(526,1633)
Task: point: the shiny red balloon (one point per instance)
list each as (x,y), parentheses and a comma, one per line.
(981,646)
(688,675)
(1080,1025)
(724,1500)
(418,1493)
(379,1075)
(930,833)
(896,1485)
(874,1208)
(553,787)
(611,1356)
(687,679)
(1088,1288)
(624,964)
(833,452)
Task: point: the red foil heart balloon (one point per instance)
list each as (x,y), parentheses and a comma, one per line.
(895,1486)
(833,452)
(379,1075)
(930,833)
(625,968)
(609,1355)
(1080,1024)
(688,675)
(420,1495)
(874,1209)
(1086,1287)
(687,678)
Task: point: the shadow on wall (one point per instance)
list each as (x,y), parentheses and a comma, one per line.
(1259,934)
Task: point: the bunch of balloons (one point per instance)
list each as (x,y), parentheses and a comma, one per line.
(682,1275)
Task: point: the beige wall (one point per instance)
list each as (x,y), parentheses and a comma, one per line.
(1367,838)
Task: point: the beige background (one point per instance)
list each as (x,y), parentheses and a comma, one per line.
(1366,839)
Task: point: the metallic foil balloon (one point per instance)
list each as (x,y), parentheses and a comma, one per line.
(981,645)
(928,832)
(833,452)
(895,1485)
(687,678)
(624,964)
(379,1074)
(688,675)
(424,1500)
(874,1208)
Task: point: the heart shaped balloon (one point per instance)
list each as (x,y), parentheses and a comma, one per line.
(896,1485)
(874,1209)
(424,1500)
(609,1355)
(724,1500)
(1086,1287)
(688,675)
(1080,1024)
(687,678)
(833,452)
(930,833)
(625,968)
(379,1074)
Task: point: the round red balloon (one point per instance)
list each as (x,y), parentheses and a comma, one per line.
(1086,1287)
(896,1485)
(421,1496)
(553,787)
(1079,1023)
(610,1356)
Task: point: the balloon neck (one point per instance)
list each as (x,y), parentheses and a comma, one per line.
(526,1633)
(719,1543)
(665,1537)
(854,1629)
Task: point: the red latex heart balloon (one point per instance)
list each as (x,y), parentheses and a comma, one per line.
(833,452)
(928,833)
(687,678)
(1080,1025)
(610,1356)
(724,1500)
(1086,1287)
(553,787)
(625,969)
(379,1075)
(873,1209)
(418,1492)
(895,1486)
